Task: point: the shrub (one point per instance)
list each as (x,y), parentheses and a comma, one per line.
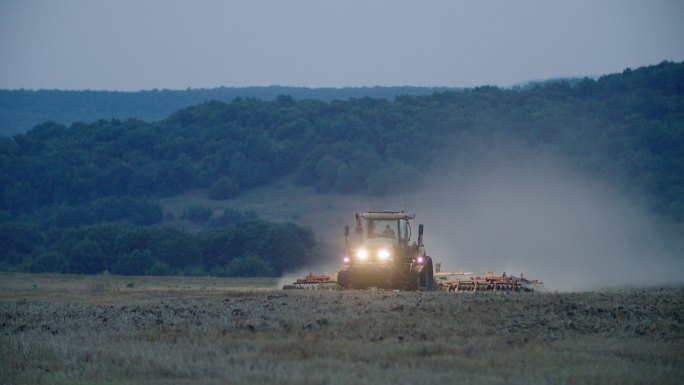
(146,213)
(135,262)
(250,266)
(194,271)
(159,268)
(197,214)
(45,262)
(228,217)
(224,188)
(251,215)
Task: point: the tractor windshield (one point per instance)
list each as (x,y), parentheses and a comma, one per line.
(383,228)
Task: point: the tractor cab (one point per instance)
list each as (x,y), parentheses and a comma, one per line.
(388,225)
(381,237)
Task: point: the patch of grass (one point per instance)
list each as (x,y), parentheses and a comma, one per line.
(46,287)
(101,283)
(231,332)
(282,201)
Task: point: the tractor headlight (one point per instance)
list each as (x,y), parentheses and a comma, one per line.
(383,255)
(346,259)
(362,254)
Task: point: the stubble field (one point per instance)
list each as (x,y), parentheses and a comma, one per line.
(57,329)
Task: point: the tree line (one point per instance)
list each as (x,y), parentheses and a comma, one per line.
(249,248)
(23,109)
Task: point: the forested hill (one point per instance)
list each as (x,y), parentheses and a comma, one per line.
(627,128)
(21,110)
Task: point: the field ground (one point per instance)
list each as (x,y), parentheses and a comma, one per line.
(57,329)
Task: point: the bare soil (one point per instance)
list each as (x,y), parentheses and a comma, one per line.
(170,330)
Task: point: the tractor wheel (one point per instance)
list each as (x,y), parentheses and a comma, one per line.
(426,277)
(412,281)
(344,280)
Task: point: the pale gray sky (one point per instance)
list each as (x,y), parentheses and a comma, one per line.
(145,44)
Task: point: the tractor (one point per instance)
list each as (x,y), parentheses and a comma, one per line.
(382,255)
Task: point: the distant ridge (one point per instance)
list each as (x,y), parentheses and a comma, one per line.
(572,81)
(21,110)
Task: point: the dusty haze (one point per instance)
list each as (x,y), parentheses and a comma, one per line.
(521,212)
(511,210)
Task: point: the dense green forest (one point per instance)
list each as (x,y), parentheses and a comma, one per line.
(246,248)
(62,187)
(21,110)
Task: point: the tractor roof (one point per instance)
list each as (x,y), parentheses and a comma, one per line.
(387,215)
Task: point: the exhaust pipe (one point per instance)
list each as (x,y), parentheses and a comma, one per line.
(420,235)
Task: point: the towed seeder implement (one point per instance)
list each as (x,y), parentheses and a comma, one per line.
(313,282)
(444,281)
(470,281)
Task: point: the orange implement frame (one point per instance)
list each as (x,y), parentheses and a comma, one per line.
(313,282)
(314,279)
(472,281)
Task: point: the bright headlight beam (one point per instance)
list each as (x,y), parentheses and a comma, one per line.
(383,255)
(362,254)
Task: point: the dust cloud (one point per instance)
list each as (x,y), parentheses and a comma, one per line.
(536,215)
(502,207)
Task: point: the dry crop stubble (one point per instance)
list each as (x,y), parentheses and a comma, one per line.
(138,336)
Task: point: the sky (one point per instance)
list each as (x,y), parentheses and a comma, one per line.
(131,45)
